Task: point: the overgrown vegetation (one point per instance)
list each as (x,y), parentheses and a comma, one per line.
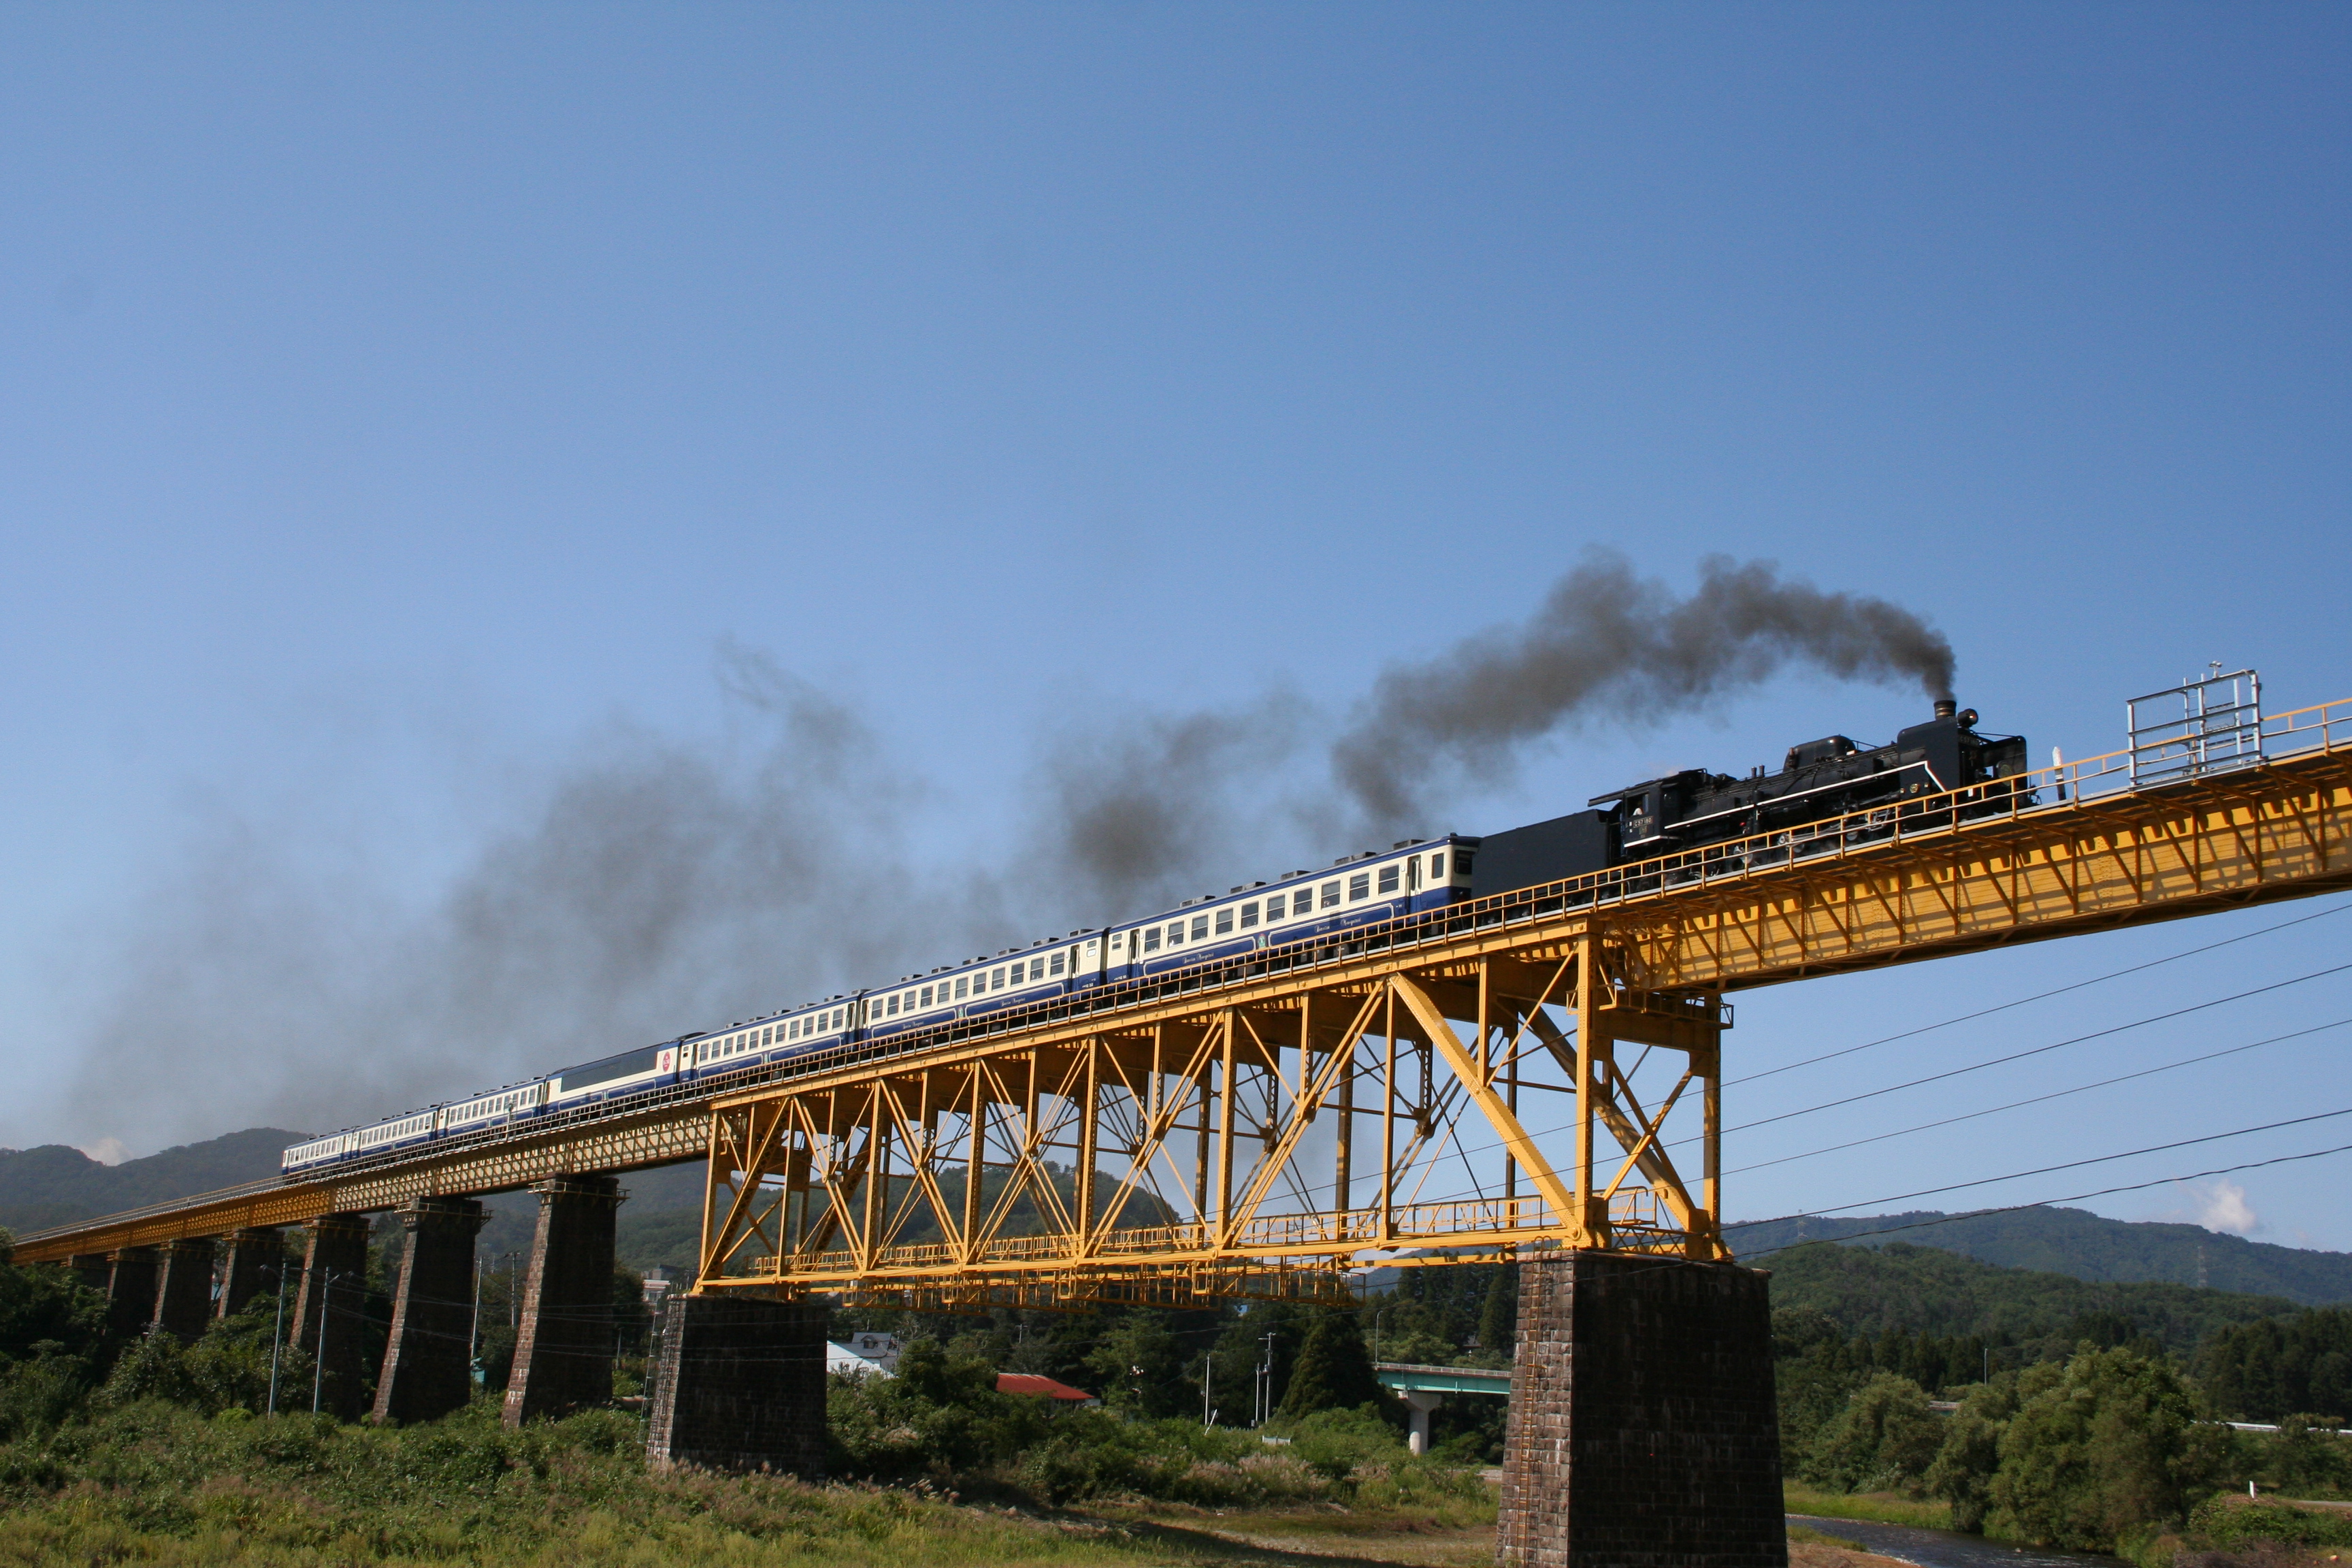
(2111,1446)
(154,1450)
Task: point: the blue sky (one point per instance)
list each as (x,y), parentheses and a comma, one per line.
(460,465)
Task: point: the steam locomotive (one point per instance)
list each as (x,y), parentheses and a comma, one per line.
(1819,780)
(1942,768)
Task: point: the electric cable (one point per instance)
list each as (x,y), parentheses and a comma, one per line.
(2066,1165)
(2039,1099)
(2039,996)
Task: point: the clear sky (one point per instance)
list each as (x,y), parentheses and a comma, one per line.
(530,528)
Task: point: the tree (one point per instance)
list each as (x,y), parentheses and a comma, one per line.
(46,1307)
(1334,1371)
(1970,1458)
(1137,1366)
(2108,1451)
(1884,1440)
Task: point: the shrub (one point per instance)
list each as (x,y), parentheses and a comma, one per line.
(2109,1451)
(1883,1440)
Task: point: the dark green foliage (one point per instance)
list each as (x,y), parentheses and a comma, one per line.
(1334,1370)
(2242,1521)
(2309,1456)
(1817,1369)
(1336,1455)
(1969,1456)
(52,1184)
(2088,1246)
(939,1419)
(46,1306)
(1920,1290)
(2261,1372)
(2105,1452)
(228,1369)
(1883,1439)
(1446,1313)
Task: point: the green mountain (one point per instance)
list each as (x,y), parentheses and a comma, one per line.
(1901,1289)
(2082,1243)
(52,1184)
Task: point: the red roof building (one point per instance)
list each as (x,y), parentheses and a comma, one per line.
(1043,1388)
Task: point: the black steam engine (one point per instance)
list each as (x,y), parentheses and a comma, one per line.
(1933,770)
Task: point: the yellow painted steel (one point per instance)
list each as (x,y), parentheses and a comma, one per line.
(1171,1147)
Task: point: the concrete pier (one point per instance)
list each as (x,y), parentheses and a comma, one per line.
(183,1287)
(738,1385)
(130,1292)
(1643,1431)
(563,1351)
(428,1366)
(250,1263)
(332,1292)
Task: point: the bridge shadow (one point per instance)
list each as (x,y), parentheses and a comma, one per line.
(1201,1542)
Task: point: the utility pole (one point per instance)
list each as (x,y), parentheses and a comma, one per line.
(473,1333)
(277,1337)
(318,1365)
(1261,1401)
(1208,1365)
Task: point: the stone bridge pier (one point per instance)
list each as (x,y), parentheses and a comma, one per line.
(1643,1430)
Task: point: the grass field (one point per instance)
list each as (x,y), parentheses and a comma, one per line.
(1879,1508)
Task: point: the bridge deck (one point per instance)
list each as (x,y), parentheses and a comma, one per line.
(919,1170)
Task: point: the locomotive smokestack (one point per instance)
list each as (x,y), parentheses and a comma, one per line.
(1946,707)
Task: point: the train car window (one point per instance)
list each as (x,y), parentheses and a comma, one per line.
(1272,908)
(1151,940)
(927,996)
(1359,886)
(1058,963)
(963,985)
(1175,933)
(1200,928)
(1437,867)
(891,1010)
(1330,894)
(1461,862)
(1037,969)
(1389,878)
(840,1017)
(1249,916)
(996,980)
(1225,920)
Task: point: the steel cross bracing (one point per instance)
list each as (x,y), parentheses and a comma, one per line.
(1259,1061)
(1185,1122)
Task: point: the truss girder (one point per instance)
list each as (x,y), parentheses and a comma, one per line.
(1159,1093)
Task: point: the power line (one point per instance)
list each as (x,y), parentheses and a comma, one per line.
(2039,1099)
(2039,996)
(2038,1203)
(2067,1165)
(2040,1050)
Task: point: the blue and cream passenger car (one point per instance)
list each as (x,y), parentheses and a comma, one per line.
(1303,907)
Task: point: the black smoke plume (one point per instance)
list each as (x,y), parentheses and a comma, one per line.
(650,885)
(1607,646)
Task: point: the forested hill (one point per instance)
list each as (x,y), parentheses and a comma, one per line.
(56,1185)
(2085,1244)
(1913,1290)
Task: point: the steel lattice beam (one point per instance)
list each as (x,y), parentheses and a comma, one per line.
(1158,1140)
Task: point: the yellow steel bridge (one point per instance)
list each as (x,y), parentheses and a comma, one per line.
(1262,1125)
